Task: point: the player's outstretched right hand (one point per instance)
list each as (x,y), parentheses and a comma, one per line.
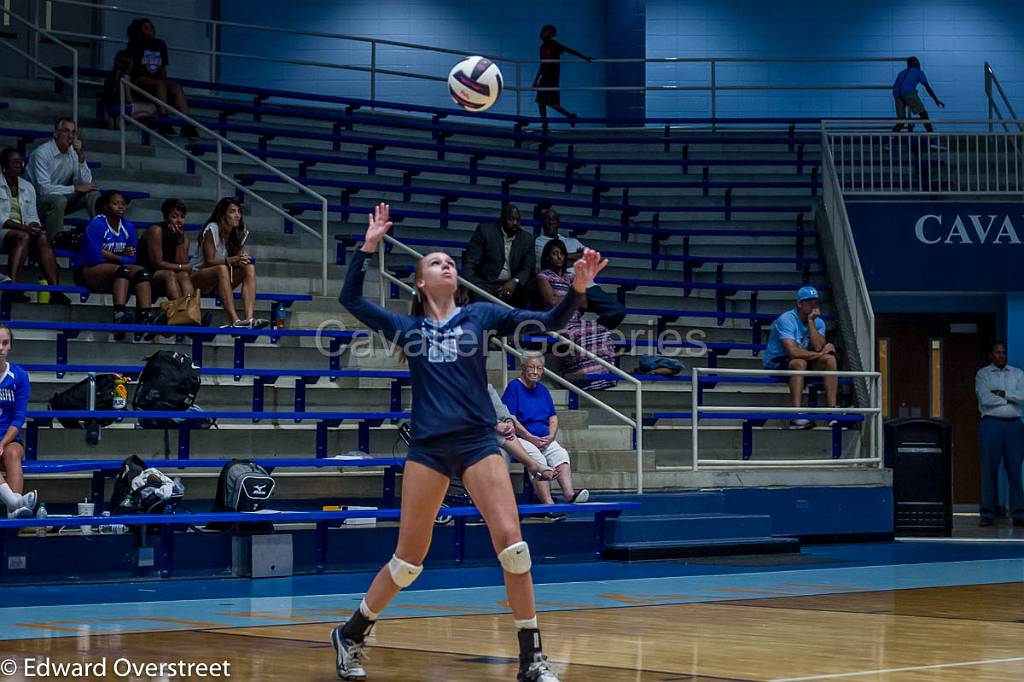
(379,224)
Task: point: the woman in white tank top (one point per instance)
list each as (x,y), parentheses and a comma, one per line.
(222,264)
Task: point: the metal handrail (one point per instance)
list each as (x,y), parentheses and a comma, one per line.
(219,170)
(990,80)
(856,314)
(874,438)
(636,424)
(515,85)
(73,81)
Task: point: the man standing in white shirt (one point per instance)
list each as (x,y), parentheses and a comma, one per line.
(61,177)
(1000,390)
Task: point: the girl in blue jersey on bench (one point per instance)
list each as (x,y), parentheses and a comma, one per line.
(452,434)
(14,394)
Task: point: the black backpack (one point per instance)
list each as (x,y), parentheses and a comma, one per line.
(77,398)
(243,486)
(156,494)
(169,381)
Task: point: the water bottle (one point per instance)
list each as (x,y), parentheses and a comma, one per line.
(120,400)
(41,514)
(282,316)
(44,296)
(92,427)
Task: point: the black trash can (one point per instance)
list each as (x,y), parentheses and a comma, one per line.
(919,452)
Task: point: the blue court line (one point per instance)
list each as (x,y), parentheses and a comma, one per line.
(488,574)
(178,615)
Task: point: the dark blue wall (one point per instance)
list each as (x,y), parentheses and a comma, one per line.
(507,29)
(953,39)
(626,28)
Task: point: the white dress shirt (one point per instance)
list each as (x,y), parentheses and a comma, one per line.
(1009,380)
(55,173)
(26,199)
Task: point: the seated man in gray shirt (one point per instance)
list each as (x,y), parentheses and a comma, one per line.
(62,178)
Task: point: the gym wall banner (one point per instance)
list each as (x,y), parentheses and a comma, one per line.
(931,246)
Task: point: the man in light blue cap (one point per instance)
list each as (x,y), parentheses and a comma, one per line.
(797,342)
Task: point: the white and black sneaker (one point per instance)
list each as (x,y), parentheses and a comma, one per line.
(800,424)
(536,671)
(350,656)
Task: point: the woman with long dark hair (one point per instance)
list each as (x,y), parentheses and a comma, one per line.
(222,264)
(452,435)
(554,282)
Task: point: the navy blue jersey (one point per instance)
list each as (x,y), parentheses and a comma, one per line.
(447,358)
(14,394)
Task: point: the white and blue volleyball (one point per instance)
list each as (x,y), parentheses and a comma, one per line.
(475,83)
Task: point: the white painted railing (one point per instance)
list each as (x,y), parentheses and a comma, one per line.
(870,443)
(960,157)
(218,170)
(635,423)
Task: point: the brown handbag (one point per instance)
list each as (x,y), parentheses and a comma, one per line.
(183,311)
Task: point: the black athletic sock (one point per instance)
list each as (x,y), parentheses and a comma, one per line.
(529,644)
(358,627)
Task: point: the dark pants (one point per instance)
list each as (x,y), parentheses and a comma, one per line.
(1002,442)
(523,297)
(609,311)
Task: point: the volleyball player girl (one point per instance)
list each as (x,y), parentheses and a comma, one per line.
(452,436)
(14,394)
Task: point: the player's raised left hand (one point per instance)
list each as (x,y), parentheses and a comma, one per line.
(587,267)
(379,224)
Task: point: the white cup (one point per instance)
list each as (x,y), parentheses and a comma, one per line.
(86,509)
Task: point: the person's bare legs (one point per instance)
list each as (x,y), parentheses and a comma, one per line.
(796,384)
(423,491)
(16,248)
(563,472)
(165,282)
(44,254)
(184,280)
(828,364)
(246,276)
(217,279)
(100,279)
(489,485)
(13,455)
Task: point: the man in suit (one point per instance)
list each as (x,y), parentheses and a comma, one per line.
(500,259)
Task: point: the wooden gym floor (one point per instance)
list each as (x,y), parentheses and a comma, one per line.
(965,632)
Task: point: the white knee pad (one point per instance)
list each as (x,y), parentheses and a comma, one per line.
(516,558)
(402,572)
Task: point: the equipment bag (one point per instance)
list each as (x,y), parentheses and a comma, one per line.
(170,381)
(243,486)
(77,398)
(140,489)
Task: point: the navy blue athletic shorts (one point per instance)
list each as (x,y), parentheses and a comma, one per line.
(453,453)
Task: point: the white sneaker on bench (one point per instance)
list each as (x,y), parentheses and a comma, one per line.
(800,424)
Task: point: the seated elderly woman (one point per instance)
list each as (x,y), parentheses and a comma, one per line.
(536,424)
